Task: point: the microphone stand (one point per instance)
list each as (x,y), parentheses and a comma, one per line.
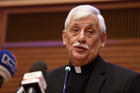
(67,69)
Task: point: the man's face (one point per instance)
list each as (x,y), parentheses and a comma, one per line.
(83,39)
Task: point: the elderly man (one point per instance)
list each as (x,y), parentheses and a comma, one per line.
(84,34)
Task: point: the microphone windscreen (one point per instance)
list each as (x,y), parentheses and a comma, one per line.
(39,66)
(36,78)
(7,64)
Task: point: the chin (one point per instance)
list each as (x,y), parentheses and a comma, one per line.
(79,56)
(76,64)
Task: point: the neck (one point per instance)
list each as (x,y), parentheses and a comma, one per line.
(81,62)
(84,68)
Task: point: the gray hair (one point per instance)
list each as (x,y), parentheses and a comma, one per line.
(85,10)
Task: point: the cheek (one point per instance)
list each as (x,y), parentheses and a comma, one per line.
(69,42)
(71,39)
(94,44)
(70,49)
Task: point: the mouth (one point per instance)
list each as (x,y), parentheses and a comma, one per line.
(80,48)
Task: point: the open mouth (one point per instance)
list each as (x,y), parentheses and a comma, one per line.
(80,48)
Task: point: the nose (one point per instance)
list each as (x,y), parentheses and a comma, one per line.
(82,37)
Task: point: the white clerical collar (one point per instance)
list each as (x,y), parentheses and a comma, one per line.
(78,69)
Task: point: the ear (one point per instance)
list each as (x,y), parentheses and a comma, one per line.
(103,39)
(64,36)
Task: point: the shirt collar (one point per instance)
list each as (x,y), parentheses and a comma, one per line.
(85,68)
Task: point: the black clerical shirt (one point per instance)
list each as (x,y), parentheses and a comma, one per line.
(77,82)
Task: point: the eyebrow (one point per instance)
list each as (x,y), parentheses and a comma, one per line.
(91,25)
(75,24)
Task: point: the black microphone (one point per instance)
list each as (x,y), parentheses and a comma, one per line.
(7,66)
(35,81)
(67,69)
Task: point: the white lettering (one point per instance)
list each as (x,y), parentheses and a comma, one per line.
(8,61)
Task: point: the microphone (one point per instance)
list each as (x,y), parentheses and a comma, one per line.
(35,81)
(67,69)
(20,90)
(7,66)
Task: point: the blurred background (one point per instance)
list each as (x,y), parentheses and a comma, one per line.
(31,29)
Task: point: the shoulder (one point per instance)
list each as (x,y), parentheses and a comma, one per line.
(115,70)
(56,73)
(55,79)
(121,71)
(121,76)
(121,79)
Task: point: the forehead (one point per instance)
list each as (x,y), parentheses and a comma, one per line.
(90,20)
